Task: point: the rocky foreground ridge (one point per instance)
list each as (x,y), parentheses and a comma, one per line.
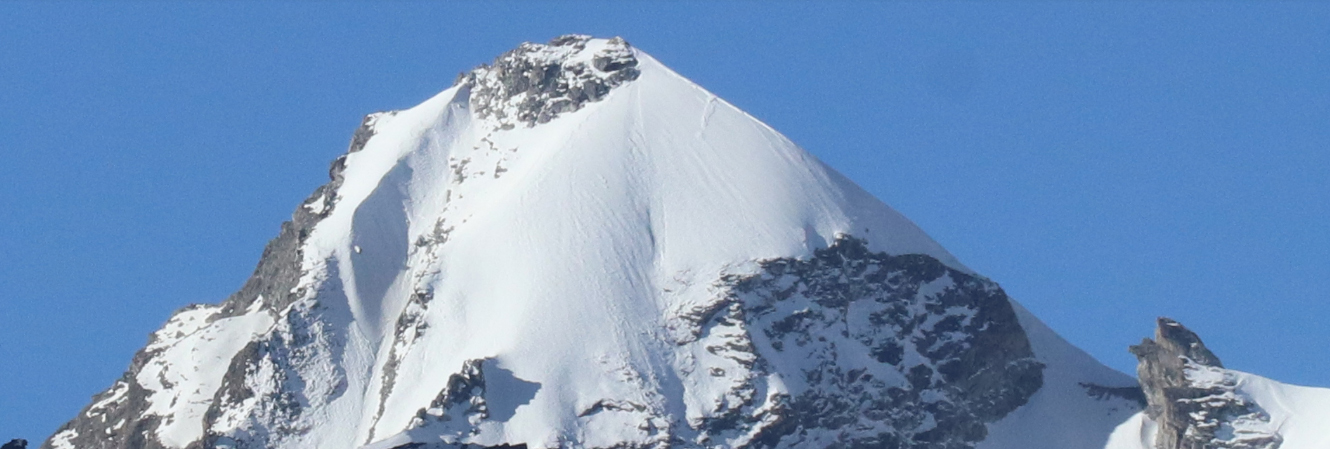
(1193,400)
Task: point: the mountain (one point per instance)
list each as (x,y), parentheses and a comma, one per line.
(574,246)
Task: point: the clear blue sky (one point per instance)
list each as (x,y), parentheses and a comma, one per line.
(1106,163)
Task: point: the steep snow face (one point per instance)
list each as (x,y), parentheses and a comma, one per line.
(577,247)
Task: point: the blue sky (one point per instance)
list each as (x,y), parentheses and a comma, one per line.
(1107,163)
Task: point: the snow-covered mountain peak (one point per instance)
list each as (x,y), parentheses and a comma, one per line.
(536,82)
(576,247)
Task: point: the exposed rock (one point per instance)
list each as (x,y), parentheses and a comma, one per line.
(1193,399)
(463,397)
(466,401)
(947,354)
(16,444)
(534,83)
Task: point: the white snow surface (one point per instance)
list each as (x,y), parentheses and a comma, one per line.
(191,353)
(560,253)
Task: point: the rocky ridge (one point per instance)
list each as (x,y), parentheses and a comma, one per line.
(1195,401)
(535,83)
(945,353)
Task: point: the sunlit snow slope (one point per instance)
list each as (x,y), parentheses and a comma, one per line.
(577,247)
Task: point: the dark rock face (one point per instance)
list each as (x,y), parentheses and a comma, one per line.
(1192,398)
(946,353)
(535,83)
(15,444)
(463,397)
(466,400)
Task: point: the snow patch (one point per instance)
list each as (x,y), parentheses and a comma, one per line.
(191,354)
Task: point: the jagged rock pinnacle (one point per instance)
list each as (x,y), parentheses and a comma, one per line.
(1191,397)
(16,444)
(1173,338)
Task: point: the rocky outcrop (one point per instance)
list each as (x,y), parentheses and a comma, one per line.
(945,354)
(534,83)
(469,398)
(1193,399)
(16,444)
